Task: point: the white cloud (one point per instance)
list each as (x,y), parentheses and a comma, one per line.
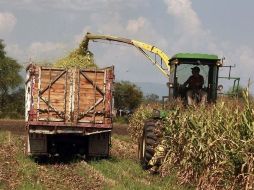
(134,26)
(37,51)
(244,56)
(185,15)
(114,23)
(189,31)
(13,50)
(192,36)
(46,50)
(7,22)
(142,29)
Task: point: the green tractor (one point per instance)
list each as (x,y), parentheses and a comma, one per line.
(182,64)
(177,70)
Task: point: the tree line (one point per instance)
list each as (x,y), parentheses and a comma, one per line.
(12,93)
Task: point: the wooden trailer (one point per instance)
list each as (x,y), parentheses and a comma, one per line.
(68,111)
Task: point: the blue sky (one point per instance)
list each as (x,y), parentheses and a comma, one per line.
(44,30)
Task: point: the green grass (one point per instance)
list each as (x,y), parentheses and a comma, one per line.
(2,185)
(121,120)
(4,135)
(29,171)
(127,174)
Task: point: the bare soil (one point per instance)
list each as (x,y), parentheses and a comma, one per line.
(14,126)
(18,127)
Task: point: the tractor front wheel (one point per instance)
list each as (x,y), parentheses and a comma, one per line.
(147,144)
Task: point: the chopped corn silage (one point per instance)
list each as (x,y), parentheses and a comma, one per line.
(79,58)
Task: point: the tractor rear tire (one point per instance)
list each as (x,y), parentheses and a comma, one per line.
(147,144)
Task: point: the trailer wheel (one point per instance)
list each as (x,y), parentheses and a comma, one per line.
(147,144)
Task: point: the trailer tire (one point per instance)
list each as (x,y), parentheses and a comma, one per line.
(147,144)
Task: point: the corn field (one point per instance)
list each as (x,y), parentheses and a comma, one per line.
(208,147)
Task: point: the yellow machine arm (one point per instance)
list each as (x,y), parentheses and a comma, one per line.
(163,65)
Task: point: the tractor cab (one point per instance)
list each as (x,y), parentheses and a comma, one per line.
(182,65)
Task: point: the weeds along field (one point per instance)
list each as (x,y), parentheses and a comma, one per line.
(120,171)
(209,147)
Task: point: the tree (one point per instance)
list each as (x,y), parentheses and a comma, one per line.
(152,98)
(127,95)
(15,107)
(2,52)
(10,79)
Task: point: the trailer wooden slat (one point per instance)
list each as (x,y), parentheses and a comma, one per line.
(70,96)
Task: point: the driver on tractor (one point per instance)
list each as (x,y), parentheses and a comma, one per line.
(194,91)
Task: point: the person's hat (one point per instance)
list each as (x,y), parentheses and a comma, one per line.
(195,69)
